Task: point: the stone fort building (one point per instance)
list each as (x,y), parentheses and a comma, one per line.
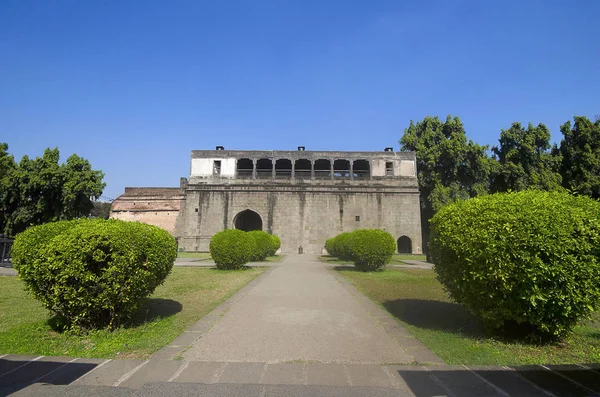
(304,197)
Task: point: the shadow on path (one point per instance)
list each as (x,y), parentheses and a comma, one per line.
(16,375)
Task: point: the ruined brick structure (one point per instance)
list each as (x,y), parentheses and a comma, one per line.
(304,197)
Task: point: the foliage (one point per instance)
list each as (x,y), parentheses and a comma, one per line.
(262,247)
(580,151)
(40,190)
(525,160)
(100,209)
(93,273)
(527,262)
(329,243)
(231,249)
(450,167)
(371,249)
(275,245)
(341,246)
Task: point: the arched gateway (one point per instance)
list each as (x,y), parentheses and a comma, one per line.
(247,220)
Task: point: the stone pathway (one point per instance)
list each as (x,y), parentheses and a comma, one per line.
(299,329)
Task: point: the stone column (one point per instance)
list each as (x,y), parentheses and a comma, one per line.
(273,161)
(351,169)
(312,169)
(293,168)
(331,163)
(253,168)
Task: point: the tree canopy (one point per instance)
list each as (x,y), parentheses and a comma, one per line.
(580,151)
(40,190)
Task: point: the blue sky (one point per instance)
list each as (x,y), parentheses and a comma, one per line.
(134,86)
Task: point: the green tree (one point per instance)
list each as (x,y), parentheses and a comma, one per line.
(580,151)
(41,190)
(525,160)
(101,209)
(450,166)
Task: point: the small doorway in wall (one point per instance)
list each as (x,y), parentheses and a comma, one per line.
(404,245)
(247,220)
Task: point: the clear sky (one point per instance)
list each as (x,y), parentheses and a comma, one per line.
(134,86)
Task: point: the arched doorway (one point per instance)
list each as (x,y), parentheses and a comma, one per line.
(247,220)
(404,245)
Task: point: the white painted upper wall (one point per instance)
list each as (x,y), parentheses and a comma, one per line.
(204,167)
(401,167)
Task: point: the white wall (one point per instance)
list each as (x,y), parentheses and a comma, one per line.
(204,167)
(407,168)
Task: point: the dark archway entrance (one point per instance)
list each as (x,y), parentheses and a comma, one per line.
(247,220)
(404,245)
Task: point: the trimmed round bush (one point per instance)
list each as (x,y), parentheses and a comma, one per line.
(341,246)
(371,248)
(262,247)
(93,273)
(275,244)
(329,246)
(527,262)
(231,249)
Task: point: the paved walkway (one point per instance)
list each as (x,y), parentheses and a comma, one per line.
(298,313)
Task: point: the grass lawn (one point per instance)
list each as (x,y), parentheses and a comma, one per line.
(188,294)
(418,302)
(401,257)
(193,254)
(274,258)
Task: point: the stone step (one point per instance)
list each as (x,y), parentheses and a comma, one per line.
(29,375)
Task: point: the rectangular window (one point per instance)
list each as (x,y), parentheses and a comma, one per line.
(389,168)
(217,167)
(357,218)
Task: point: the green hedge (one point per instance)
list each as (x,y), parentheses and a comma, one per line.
(369,249)
(526,262)
(231,249)
(93,273)
(262,247)
(275,245)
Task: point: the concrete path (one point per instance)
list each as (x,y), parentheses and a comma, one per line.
(298,313)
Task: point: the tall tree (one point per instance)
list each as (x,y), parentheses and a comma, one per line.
(580,150)
(42,190)
(525,160)
(450,166)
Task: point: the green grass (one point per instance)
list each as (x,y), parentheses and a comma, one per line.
(274,258)
(419,303)
(188,294)
(401,257)
(201,255)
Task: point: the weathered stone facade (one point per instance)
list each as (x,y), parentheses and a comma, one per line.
(304,197)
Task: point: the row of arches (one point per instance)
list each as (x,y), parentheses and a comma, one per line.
(303,168)
(248,220)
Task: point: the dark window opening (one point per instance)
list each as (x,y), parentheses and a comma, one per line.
(196,209)
(361,169)
(248,220)
(404,245)
(341,169)
(389,168)
(217,167)
(264,168)
(357,218)
(322,168)
(244,168)
(302,169)
(283,168)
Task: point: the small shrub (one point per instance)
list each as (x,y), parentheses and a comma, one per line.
(371,248)
(526,262)
(262,247)
(93,273)
(329,244)
(341,246)
(231,249)
(275,245)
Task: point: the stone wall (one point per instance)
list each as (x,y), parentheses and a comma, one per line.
(301,216)
(155,206)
